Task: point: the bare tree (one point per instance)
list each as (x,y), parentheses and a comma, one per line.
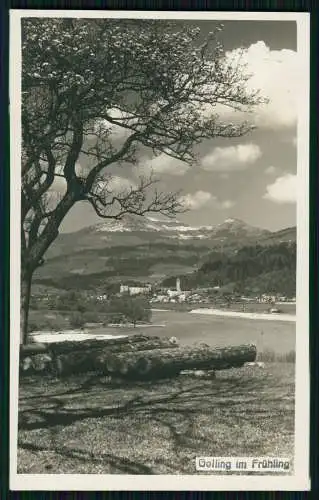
(100,92)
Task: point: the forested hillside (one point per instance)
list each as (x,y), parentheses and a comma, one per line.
(255,269)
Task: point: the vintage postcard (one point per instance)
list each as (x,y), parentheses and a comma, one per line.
(159,250)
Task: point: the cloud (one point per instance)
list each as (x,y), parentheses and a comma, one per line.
(231,158)
(119,184)
(116,132)
(116,184)
(227,204)
(196,200)
(80,170)
(224,176)
(59,185)
(283,190)
(201,199)
(270,170)
(162,164)
(279,75)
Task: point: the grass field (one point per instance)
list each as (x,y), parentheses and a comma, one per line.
(92,425)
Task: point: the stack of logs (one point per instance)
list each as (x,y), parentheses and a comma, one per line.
(135,357)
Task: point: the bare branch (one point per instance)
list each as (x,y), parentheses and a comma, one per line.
(113,159)
(137,200)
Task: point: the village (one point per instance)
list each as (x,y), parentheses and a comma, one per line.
(156,294)
(177,295)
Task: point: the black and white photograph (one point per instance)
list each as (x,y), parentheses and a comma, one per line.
(159,250)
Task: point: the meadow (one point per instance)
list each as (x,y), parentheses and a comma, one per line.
(93,425)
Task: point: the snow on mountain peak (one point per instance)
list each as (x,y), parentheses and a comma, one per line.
(154,219)
(112,227)
(233,221)
(174,228)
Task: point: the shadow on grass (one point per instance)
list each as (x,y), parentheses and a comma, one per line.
(120,464)
(187,398)
(185,415)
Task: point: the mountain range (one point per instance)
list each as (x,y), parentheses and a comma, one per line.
(144,249)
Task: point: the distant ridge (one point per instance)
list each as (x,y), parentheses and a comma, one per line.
(145,249)
(156,230)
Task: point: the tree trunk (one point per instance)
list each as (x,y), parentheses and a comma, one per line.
(26,280)
(163,363)
(35,252)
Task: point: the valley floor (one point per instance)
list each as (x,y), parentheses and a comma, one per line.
(89,424)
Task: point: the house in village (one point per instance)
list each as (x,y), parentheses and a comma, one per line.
(135,290)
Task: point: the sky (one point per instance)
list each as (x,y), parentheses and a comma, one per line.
(252,178)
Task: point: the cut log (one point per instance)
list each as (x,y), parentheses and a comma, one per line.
(36,348)
(136,357)
(94,357)
(114,344)
(35,363)
(163,363)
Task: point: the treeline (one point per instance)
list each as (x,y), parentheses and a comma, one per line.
(257,269)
